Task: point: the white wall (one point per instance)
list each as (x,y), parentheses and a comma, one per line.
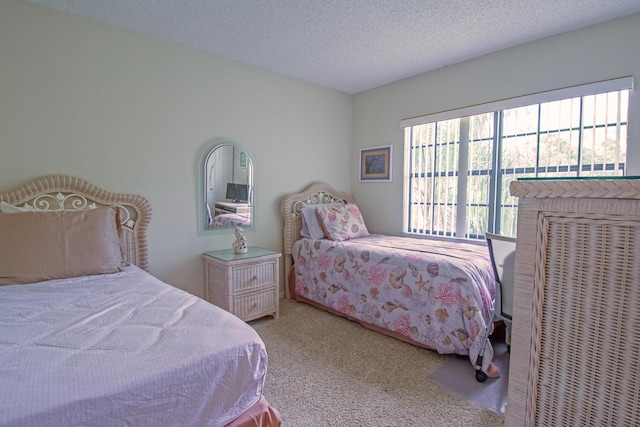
(133,114)
(592,54)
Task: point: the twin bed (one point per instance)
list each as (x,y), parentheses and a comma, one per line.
(434,294)
(89,337)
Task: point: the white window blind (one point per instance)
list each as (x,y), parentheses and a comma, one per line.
(604,86)
(459,163)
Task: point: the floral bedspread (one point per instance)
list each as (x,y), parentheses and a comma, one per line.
(435,293)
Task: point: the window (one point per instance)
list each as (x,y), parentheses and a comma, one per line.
(459,168)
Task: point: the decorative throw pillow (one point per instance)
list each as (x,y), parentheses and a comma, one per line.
(342,222)
(37,246)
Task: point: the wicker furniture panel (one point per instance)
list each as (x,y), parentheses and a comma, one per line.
(576,323)
(246,285)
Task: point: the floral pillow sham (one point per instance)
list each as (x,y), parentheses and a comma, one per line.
(342,222)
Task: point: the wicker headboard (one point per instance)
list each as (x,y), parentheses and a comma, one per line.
(315,194)
(58,192)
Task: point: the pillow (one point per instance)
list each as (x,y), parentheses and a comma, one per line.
(9,208)
(310,226)
(342,222)
(37,246)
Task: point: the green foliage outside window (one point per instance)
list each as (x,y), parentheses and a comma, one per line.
(583,136)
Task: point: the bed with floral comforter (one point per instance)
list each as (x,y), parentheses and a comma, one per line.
(435,294)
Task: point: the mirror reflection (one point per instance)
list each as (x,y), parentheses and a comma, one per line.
(228,175)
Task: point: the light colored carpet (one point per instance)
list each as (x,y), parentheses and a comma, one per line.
(328,371)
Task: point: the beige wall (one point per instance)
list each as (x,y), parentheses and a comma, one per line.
(592,54)
(132,114)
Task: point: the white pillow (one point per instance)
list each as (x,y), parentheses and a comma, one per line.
(9,208)
(310,226)
(304,231)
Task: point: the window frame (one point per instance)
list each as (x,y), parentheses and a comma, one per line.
(496,174)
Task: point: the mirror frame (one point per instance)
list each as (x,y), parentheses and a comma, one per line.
(202,188)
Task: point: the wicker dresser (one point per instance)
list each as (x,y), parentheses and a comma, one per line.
(575,353)
(246,285)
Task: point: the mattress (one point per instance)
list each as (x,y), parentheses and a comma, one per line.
(123,349)
(435,294)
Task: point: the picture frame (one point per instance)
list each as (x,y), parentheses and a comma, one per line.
(375,164)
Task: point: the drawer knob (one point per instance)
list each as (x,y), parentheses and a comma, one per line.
(255,277)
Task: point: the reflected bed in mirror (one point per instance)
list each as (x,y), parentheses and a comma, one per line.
(227,188)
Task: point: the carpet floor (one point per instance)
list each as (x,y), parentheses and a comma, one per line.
(328,371)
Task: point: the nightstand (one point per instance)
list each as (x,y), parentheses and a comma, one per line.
(246,285)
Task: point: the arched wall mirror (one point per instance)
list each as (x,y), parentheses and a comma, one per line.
(227,187)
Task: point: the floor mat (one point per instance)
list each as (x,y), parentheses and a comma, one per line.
(458,376)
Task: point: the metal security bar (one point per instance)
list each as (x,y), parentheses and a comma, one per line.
(460,169)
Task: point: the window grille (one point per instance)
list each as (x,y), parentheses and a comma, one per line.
(460,168)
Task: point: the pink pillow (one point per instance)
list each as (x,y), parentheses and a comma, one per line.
(342,222)
(37,246)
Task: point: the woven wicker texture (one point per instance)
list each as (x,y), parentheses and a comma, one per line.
(246,286)
(588,330)
(601,188)
(575,356)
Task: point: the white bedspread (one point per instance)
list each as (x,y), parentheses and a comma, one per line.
(123,349)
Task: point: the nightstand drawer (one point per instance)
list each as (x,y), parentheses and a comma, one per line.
(256,303)
(253,276)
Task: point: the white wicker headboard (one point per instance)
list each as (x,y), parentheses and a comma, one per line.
(315,194)
(58,192)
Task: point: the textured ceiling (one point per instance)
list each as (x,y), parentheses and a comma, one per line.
(348,45)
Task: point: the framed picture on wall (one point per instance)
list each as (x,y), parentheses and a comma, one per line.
(375,164)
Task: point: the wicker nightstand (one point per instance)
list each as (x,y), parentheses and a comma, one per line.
(246,285)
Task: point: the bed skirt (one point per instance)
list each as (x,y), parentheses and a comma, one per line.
(259,415)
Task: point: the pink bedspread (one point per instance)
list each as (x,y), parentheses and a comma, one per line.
(434,293)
